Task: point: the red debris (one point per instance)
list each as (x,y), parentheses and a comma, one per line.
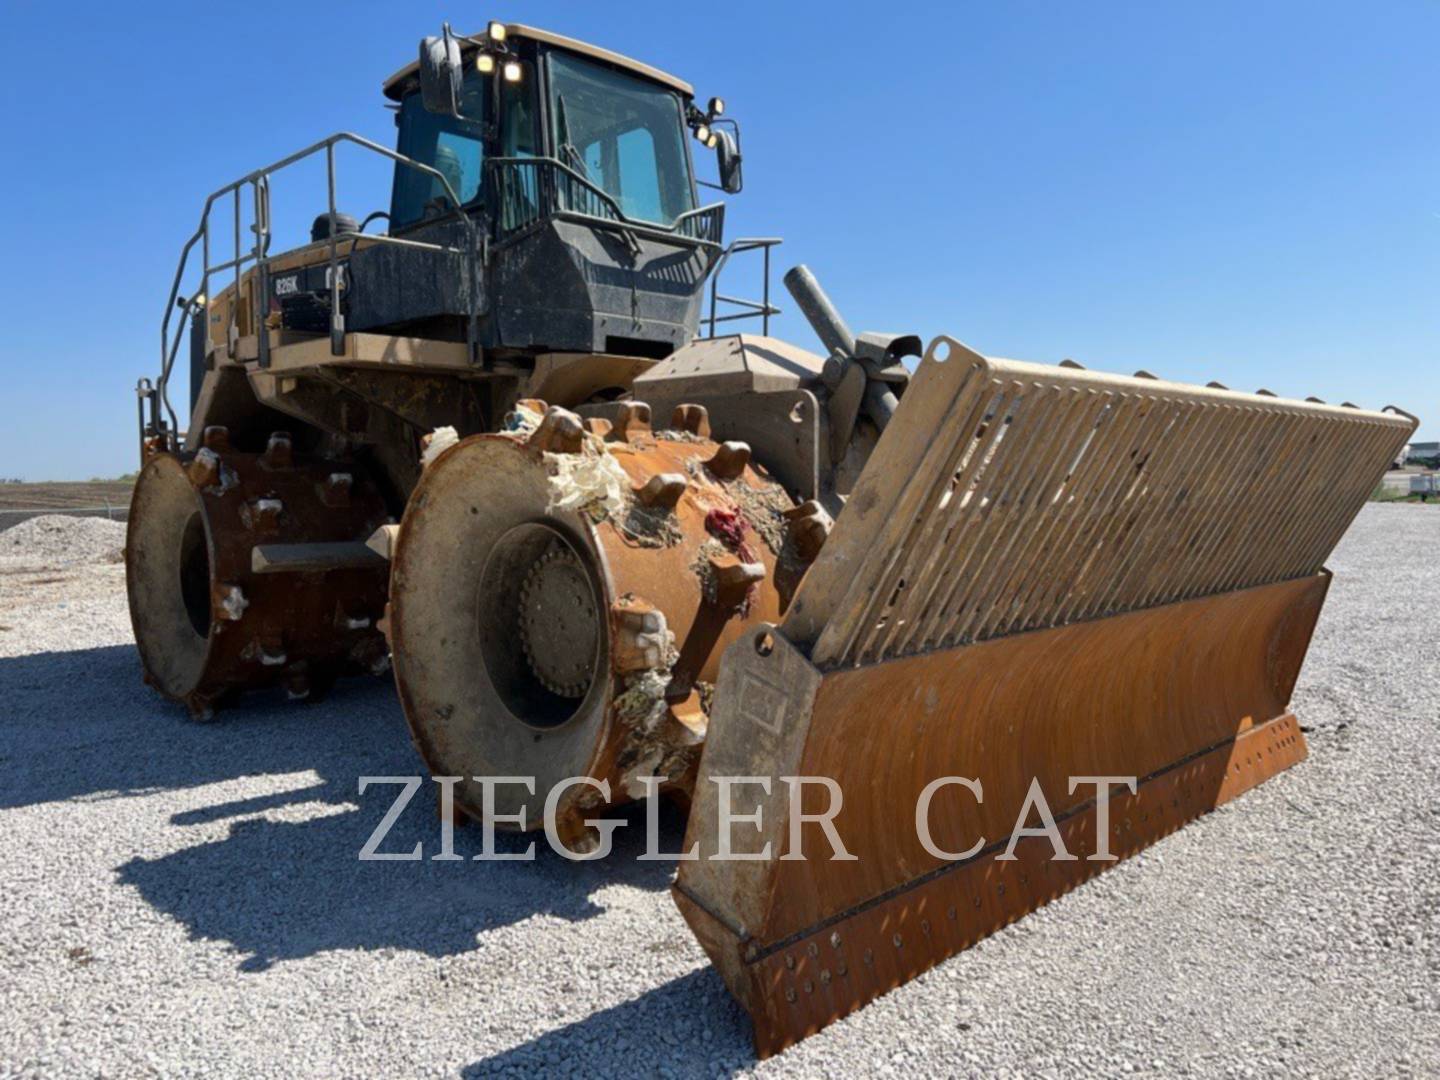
(728,526)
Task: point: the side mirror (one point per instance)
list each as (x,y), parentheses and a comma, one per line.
(727,154)
(441,74)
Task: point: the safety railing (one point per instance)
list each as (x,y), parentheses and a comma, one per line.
(256,185)
(749,309)
(526,191)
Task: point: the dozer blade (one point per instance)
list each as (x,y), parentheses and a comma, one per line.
(1042,574)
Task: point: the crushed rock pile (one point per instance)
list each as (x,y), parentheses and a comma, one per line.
(60,539)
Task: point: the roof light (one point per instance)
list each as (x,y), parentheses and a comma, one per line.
(512,71)
(714,140)
(496,32)
(485,63)
(716,106)
(703,133)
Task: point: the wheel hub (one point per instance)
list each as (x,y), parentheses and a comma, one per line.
(559,625)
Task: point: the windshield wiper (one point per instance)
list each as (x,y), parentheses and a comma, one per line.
(568,153)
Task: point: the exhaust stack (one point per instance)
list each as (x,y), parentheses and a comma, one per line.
(845,349)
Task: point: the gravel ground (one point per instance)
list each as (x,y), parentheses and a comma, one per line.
(56,540)
(184,898)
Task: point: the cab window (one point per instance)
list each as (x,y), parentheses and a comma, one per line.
(452,146)
(623,134)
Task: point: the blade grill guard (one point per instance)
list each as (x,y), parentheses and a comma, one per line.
(1009,496)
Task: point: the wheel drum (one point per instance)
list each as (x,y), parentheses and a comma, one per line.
(168,561)
(508,666)
(207,625)
(475,525)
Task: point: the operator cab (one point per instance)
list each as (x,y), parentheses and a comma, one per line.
(544,204)
(573,163)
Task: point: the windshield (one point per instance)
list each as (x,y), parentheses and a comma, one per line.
(623,134)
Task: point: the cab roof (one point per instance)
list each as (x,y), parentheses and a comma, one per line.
(395,83)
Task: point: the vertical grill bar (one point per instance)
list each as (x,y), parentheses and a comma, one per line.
(1187,440)
(1107,464)
(1237,438)
(1086,495)
(1284,504)
(1146,500)
(930,478)
(966,452)
(1081,600)
(1010,552)
(1050,513)
(1073,532)
(1207,438)
(1009,454)
(958,501)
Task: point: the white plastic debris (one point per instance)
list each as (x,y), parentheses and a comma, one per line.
(656,643)
(441,439)
(592,481)
(233,603)
(522,421)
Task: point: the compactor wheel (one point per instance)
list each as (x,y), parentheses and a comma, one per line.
(497,620)
(558,607)
(249,570)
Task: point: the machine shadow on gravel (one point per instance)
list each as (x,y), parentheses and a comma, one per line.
(79,726)
(285,881)
(688,1026)
(288,889)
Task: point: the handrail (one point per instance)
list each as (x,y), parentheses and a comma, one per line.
(702,224)
(259,181)
(751,310)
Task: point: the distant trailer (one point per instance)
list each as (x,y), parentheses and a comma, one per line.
(1422,452)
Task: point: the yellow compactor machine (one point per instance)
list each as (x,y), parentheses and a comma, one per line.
(492,436)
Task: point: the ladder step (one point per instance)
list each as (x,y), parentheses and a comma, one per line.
(301,558)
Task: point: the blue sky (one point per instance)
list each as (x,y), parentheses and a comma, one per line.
(1243,192)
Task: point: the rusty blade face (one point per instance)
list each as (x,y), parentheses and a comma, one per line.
(1189,699)
(797,985)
